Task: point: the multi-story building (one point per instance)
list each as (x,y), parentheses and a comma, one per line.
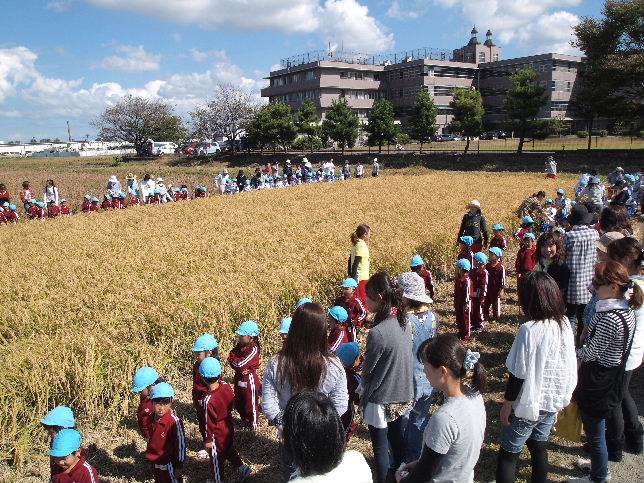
(362,79)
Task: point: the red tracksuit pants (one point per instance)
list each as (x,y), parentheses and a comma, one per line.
(248,389)
(477,316)
(492,301)
(217,460)
(165,474)
(201,417)
(463,322)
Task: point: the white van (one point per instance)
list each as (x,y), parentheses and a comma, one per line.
(159,148)
(209,148)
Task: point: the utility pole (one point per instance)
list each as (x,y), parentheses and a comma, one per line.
(69,133)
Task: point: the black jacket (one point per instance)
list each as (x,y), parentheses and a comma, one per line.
(474,225)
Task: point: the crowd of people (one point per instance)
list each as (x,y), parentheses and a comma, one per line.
(154,191)
(380,351)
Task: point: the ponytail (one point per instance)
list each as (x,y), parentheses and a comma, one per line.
(447,351)
(384,287)
(361,231)
(637,297)
(613,272)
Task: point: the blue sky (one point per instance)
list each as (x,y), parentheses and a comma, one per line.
(67,59)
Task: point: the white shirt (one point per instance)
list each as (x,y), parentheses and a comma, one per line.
(353,467)
(51,194)
(543,355)
(637,349)
(147,187)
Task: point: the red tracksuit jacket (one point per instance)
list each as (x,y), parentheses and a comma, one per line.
(467,254)
(65,211)
(218,408)
(496,279)
(526,260)
(82,472)
(462,296)
(248,386)
(86,206)
(34,212)
(154,200)
(355,309)
(53,211)
(479,279)
(427,277)
(3,218)
(199,388)
(353,381)
(11,216)
(134,200)
(499,241)
(93,207)
(145,416)
(106,205)
(338,335)
(56,469)
(167,443)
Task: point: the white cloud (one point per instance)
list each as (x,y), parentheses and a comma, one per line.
(52,98)
(344,22)
(201,56)
(133,58)
(414,10)
(59,5)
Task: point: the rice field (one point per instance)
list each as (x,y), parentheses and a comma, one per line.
(88,299)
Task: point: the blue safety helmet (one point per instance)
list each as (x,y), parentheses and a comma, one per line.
(210,368)
(303,300)
(529,236)
(416,261)
(161,390)
(65,443)
(144,377)
(349,283)
(348,353)
(480,257)
(13,207)
(464,264)
(285,325)
(468,240)
(527,220)
(498,227)
(497,251)
(248,327)
(205,342)
(339,313)
(59,416)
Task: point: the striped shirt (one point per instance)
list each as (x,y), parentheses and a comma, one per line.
(605,342)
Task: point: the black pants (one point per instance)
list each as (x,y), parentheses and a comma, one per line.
(575,314)
(506,465)
(623,424)
(383,440)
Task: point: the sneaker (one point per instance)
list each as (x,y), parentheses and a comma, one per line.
(202,454)
(244,472)
(584,464)
(586,479)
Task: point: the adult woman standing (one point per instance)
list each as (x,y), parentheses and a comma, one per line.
(424,326)
(474,225)
(358,263)
(551,259)
(542,370)
(304,363)
(387,373)
(624,427)
(50,193)
(606,344)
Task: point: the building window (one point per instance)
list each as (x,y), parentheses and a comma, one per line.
(553,86)
(568,86)
(481,56)
(495,57)
(376,77)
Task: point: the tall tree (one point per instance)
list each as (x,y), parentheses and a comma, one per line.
(308,124)
(229,111)
(612,80)
(423,118)
(136,119)
(381,128)
(341,124)
(467,111)
(524,100)
(279,126)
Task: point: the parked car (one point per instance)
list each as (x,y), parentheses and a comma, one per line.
(161,148)
(447,137)
(209,148)
(487,136)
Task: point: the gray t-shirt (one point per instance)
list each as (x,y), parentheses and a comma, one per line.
(456,430)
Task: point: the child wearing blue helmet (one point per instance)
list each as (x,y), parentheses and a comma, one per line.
(496,284)
(498,239)
(353,305)
(479,278)
(349,354)
(465,249)
(245,360)
(462,300)
(527,226)
(338,332)
(418,266)
(205,346)
(143,381)
(58,419)
(69,457)
(526,257)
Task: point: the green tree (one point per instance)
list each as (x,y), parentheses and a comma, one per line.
(136,119)
(612,78)
(276,121)
(524,100)
(557,126)
(341,125)
(381,128)
(423,118)
(467,111)
(308,125)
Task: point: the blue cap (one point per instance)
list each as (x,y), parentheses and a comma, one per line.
(339,313)
(416,261)
(122,195)
(13,207)
(480,257)
(157,191)
(248,327)
(285,325)
(498,226)
(205,342)
(561,191)
(529,236)
(303,300)
(210,368)
(527,220)
(468,240)
(497,251)
(5,204)
(161,390)
(464,264)
(88,197)
(65,443)
(59,416)
(184,190)
(548,200)
(583,181)
(594,180)
(349,283)
(144,377)
(107,196)
(33,200)
(41,204)
(348,353)
(94,199)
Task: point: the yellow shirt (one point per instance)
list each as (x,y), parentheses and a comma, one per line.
(360,249)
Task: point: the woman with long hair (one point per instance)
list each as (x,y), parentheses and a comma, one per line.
(606,345)
(551,259)
(625,428)
(304,363)
(50,192)
(387,373)
(358,263)
(542,368)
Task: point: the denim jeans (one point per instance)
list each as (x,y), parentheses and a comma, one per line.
(515,436)
(383,441)
(416,422)
(595,429)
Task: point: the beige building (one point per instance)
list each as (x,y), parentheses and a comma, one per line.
(363,79)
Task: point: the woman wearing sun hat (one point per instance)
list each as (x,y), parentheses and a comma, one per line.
(474,225)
